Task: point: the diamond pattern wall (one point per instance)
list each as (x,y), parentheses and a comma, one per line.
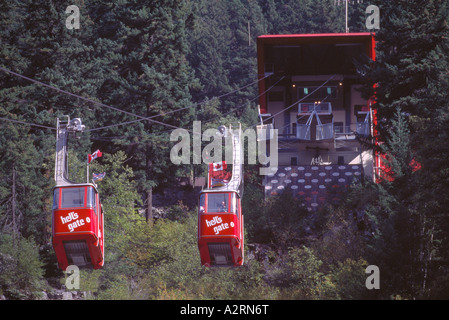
(315,184)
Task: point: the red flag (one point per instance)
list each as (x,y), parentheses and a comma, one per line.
(218,174)
(219,166)
(93,156)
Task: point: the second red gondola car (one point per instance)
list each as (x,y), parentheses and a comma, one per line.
(77,226)
(220,229)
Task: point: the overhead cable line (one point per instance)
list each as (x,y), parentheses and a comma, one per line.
(180,109)
(217,97)
(85,99)
(298,101)
(196,104)
(269,87)
(142,118)
(223,115)
(27,123)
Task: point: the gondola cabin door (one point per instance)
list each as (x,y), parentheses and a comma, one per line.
(77,226)
(220,229)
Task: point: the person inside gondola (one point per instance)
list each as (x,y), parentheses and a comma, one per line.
(223,207)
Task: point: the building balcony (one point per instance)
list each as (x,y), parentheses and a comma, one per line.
(351,132)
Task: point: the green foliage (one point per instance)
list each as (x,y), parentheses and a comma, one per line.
(349,277)
(406,68)
(306,280)
(22,181)
(151,76)
(117,289)
(407,214)
(301,274)
(281,220)
(124,226)
(21,272)
(177,272)
(397,150)
(90,282)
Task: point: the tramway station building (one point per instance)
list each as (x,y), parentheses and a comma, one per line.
(310,93)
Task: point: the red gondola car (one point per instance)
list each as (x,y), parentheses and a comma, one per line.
(220,229)
(77,226)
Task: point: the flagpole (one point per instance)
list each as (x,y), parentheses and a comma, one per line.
(87,173)
(347,29)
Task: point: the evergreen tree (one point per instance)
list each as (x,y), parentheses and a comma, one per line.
(223,52)
(22,187)
(309,16)
(151,77)
(37,44)
(399,232)
(21,275)
(22,178)
(209,41)
(410,59)
(410,73)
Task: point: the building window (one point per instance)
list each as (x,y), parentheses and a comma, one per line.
(315,94)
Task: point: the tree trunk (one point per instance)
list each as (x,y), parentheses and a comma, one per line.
(13,203)
(148,173)
(149,206)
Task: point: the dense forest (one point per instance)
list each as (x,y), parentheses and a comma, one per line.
(151,58)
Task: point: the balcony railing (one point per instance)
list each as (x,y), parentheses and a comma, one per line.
(363,129)
(350,132)
(303,131)
(325,131)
